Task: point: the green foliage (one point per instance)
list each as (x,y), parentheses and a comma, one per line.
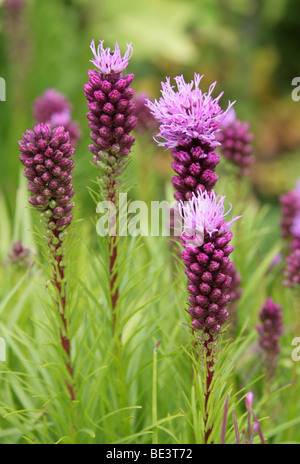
(129,388)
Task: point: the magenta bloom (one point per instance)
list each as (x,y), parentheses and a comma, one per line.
(235,140)
(46,153)
(292,273)
(55,109)
(108,62)
(290,208)
(189,121)
(111,110)
(270,331)
(206,240)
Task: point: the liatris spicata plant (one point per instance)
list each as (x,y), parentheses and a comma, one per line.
(270,331)
(55,109)
(235,140)
(189,121)
(292,273)
(111,120)
(46,153)
(290,207)
(206,240)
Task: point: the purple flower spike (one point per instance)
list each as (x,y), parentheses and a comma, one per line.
(189,121)
(270,332)
(290,208)
(235,140)
(292,273)
(206,240)
(111,109)
(46,153)
(54,108)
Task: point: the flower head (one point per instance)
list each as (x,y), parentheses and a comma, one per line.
(207,262)
(290,209)
(205,213)
(46,153)
(292,273)
(270,332)
(111,109)
(110,62)
(187,113)
(235,140)
(55,109)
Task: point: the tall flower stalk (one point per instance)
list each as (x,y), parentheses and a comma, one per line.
(206,240)
(46,153)
(270,331)
(111,120)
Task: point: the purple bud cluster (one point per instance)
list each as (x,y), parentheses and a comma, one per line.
(54,108)
(290,230)
(292,272)
(290,206)
(270,332)
(111,108)
(208,268)
(235,140)
(207,263)
(46,153)
(194,165)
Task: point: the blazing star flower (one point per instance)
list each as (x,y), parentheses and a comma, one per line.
(187,113)
(189,121)
(111,111)
(206,240)
(46,153)
(109,62)
(55,109)
(292,273)
(270,331)
(290,208)
(235,140)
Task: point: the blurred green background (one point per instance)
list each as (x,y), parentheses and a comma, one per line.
(249,46)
